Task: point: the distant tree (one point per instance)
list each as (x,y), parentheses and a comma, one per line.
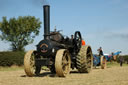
(19,31)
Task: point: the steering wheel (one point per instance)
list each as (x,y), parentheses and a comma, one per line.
(77,40)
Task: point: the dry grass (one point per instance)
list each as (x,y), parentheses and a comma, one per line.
(113,75)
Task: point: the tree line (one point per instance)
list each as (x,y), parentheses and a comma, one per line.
(19,31)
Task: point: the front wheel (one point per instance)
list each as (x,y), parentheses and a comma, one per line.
(62,63)
(29,64)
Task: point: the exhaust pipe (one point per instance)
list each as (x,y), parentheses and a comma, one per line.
(46,21)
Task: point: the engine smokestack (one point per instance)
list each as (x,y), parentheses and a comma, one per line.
(46,21)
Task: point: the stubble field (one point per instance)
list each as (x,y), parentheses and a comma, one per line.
(113,75)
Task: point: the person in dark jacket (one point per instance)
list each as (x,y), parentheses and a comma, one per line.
(121,59)
(100,51)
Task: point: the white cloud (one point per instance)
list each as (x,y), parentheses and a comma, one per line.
(120,33)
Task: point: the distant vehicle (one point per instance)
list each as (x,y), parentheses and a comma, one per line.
(99,61)
(112,56)
(102,60)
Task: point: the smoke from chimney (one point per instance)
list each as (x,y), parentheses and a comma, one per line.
(14,3)
(40,3)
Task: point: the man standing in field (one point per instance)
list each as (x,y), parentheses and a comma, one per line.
(100,51)
(121,58)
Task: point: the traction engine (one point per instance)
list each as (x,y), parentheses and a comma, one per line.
(58,53)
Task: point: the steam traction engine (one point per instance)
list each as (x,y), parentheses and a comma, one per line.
(58,53)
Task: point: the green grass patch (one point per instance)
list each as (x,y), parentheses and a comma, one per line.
(111,64)
(12,68)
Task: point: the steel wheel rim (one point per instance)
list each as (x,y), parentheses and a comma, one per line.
(62,63)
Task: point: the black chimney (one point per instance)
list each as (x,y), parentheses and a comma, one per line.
(46,21)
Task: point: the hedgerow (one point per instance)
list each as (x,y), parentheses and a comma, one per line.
(125,58)
(11,58)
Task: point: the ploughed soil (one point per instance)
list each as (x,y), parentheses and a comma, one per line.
(110,76)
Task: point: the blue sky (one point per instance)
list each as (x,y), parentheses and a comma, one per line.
(101,22)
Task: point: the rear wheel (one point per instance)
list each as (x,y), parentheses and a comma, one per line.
(62,62)
(84,59)
(29,64)
(103,62)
